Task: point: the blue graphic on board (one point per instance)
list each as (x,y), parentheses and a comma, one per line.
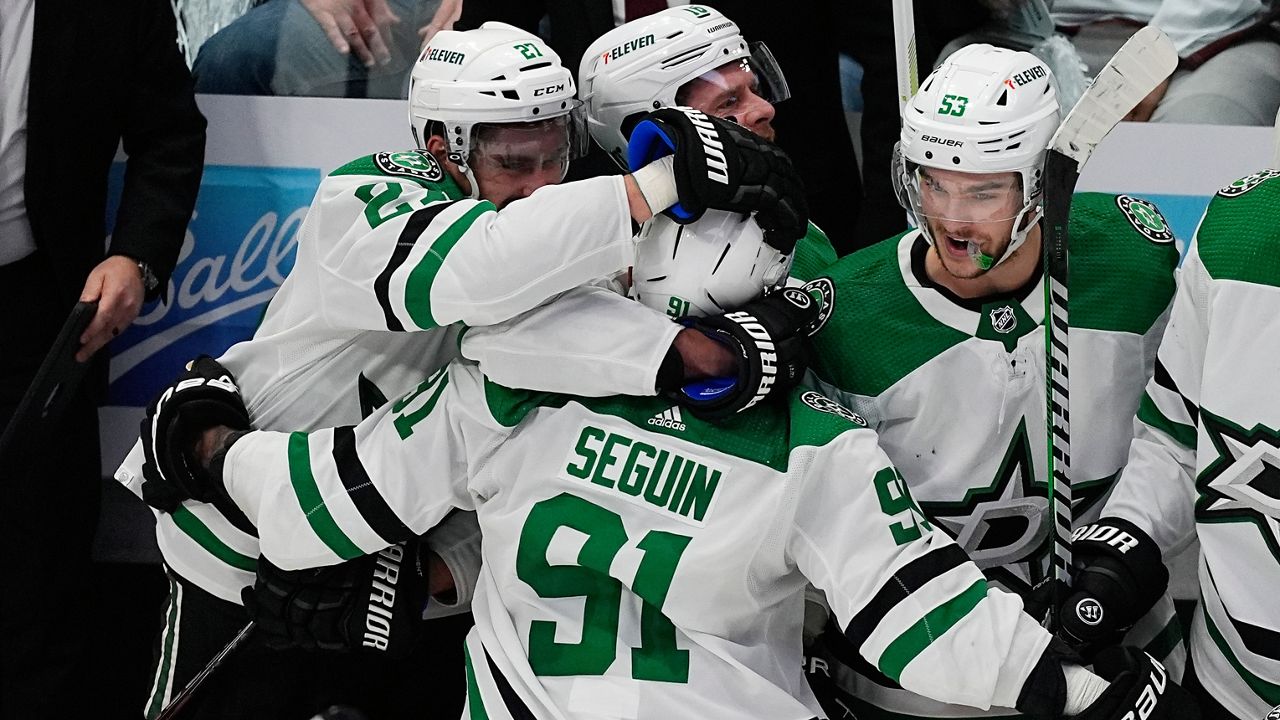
(238,249)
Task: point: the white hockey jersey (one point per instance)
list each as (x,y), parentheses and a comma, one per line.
(389,256)
(956,391)
(1206,453)
(640,563)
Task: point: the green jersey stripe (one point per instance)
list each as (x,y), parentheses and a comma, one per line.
(1166,640)
(1148,413)
(474,701)
(188,523)
(1269,692)
(311,502)
(417,292)
(413,229)
(929,628)
(160,691)
(905,581)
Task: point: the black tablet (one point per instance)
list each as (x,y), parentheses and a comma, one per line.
(54,384)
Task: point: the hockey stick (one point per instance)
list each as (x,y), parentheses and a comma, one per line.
(175,705)
(1135,70)
(904,51)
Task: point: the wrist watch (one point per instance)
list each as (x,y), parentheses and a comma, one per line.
(149,280)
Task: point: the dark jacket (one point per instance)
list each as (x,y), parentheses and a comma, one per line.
(102,72)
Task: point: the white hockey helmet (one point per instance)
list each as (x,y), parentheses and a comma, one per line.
(984,110)
(497,74)
(639,67)
(710,266)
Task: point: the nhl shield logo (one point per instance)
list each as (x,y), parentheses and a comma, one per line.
(1003,320)
(412,163)
(1089,611)
(1274,714)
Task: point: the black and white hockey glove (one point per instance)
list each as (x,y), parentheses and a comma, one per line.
(203,396)
(767,338)
(1140,688)
(373,603)
(1117,576)
(720,164)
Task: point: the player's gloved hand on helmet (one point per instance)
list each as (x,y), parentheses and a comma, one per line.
(373,603)
(203,396)
(1117,576)
(767,337)
(1140,688)
(722,165)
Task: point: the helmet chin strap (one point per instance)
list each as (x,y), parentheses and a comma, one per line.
(1016,239)
(467,173)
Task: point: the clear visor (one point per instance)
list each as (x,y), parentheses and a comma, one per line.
(960,197)
(738,82)
(544,146)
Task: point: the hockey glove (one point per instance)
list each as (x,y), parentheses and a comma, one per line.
(203,396)
(373,603)
(767,337)
(1117,576)
(720,164)
(1140,688)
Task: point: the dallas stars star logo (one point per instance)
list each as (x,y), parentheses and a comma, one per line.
(1242,483)
(1009,522)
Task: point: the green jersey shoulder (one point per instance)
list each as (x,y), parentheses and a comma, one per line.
(814,253)
(1239,238)
(416,166)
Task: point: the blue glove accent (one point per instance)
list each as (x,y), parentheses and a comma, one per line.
(709,389)
(648,143)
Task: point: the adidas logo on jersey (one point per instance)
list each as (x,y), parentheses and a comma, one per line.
(669,418)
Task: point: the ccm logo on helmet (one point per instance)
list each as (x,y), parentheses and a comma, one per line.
(446,56)
(382,598)
(717,166)
(548,90)
(946,142)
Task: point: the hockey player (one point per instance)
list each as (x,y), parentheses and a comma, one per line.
(1203,462)
(396,247)
(647,569)
(687,55)
(936,338)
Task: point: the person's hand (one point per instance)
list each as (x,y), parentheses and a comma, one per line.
(355,26)
(446,15)
(1140,688)
(373,603)
(720,164)
(1143,110)
(173,432)
(117,286)
(766,337)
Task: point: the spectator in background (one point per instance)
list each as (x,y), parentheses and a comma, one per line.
(1229,72)
(327,48)
(78,78)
